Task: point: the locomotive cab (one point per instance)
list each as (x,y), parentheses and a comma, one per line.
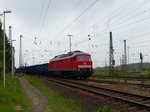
(83,61)
(83,64)
(72,64)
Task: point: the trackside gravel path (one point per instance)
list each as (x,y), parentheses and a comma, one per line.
(39,100)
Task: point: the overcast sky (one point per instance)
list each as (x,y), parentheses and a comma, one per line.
(45,25)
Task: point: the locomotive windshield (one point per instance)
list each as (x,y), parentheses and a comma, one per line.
(84,58)
(81,58)
(88,58)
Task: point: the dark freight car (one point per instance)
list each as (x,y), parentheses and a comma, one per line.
(35,69)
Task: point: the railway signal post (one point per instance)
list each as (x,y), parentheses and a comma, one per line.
(141,60)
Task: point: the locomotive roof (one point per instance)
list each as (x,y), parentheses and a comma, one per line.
(69,54)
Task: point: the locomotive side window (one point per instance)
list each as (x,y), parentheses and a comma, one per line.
(88,58)
(74,59)
(80,58)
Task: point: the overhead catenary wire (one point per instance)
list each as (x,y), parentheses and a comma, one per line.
(130,18)
(104,18)
(122,26)
(133,17)
(126,14)
(67,16)
(76,18)
(87,40)
(122,10)
(41,26)
(32,37)
(40,17)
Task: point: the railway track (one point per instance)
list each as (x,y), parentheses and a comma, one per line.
(147,86)
(143,82)
(123,77)
(139,101)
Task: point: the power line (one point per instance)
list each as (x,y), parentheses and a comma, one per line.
(104,18)
(76,18)
(131,23)
(131,11)
(113,30)
(44,18)
(126,20)
(20,30)
(41,14)
(122,10)
(67,15)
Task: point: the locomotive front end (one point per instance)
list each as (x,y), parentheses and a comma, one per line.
(84,65)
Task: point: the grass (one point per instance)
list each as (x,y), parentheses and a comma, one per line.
(133,74)
(126,73)
(59,103)
(12,99)
(107,109)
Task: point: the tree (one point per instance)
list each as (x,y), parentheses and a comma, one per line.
(8,53)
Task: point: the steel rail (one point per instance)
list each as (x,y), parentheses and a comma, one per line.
(123,77)
(117,82)
(135,99)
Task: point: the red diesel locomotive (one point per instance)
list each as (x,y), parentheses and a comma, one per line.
(73,64)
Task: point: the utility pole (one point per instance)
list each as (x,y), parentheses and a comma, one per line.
(70,42)
(123,61)
(12,52)
(125,56)
(4,48)
(111,56)
(128,55)
(13,60)
(10,35)
(89,42)
(128,59)
(20,53)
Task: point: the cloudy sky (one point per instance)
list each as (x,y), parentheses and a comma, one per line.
(46,24)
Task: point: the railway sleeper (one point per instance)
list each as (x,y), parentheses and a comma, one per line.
(138,100)
(129,99)
(135,99)
(132,109)
(124,106)
(145,102)
(117,104)
(142,111)
(132,99)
